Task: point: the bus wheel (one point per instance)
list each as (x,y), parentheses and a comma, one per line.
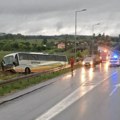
(27,70)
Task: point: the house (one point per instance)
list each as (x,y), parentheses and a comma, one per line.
(61,45)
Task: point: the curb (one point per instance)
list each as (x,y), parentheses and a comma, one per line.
(26,91)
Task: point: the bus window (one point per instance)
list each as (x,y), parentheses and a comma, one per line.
(50,57)
(8,60)
(42,57)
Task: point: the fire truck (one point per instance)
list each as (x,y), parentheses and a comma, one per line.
(104,55)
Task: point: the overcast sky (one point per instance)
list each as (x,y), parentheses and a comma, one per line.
(55,17)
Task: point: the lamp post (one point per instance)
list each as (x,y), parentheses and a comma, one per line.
(93,36)
(76,26)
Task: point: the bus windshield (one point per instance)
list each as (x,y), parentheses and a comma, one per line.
(8,60)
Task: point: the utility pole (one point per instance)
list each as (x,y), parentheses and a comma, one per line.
(93,36)
(76,27)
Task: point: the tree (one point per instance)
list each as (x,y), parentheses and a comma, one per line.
(7,47)
(15,46)
(44,42)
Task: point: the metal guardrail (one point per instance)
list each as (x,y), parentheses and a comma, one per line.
(32,75)
(20,78)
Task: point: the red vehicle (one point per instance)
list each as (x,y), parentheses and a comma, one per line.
(104,56)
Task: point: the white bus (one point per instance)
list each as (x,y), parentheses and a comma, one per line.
(32,62)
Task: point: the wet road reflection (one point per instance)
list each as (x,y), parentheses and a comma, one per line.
(83,96)
(86,74)
(96,104)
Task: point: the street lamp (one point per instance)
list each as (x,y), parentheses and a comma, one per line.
(93,36)
(76,27)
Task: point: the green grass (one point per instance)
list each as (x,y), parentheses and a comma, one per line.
(3,53)
(7,75)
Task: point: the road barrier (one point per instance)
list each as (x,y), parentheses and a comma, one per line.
(32,75)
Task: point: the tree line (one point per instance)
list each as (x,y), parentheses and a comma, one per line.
(19,42)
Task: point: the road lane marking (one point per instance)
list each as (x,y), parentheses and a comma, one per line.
(69,100)
(114,90)
(76,95)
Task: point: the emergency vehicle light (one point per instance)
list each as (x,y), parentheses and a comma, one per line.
(115,56)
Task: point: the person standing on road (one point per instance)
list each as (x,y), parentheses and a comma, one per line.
(72,63)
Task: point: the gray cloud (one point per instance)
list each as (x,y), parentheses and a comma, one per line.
(59,26)
(57,16)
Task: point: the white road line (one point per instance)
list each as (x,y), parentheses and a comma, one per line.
(77,94)
(114,90)
(69,100)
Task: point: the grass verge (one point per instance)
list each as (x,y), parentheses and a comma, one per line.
(7,75)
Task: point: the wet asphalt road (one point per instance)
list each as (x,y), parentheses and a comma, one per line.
(90,94)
